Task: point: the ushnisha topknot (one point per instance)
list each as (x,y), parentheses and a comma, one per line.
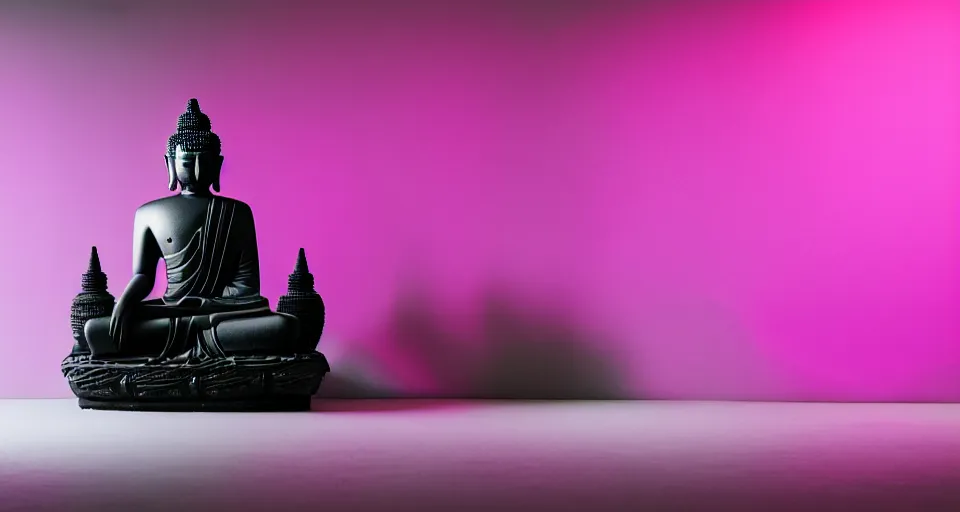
(193,132)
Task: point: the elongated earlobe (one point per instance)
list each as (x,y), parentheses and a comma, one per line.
(171,173)
(216,174)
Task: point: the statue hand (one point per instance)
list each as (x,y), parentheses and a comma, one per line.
(118,321)
(137,290)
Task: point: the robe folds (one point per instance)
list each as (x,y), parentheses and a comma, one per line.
(215,277)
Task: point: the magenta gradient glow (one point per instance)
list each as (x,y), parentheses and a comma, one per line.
(738,200)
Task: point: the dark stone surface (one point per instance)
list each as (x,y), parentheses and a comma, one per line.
(241,383)
(303,302)
(92,302)
(191,350)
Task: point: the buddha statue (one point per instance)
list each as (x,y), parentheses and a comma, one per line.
(211,342)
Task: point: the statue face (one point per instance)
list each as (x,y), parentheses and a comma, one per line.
(194,170)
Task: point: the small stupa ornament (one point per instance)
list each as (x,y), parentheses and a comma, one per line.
(303,302)
(93,301)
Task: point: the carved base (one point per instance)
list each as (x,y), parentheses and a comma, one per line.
(237,383)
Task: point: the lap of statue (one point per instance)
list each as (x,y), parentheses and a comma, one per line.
(223,327)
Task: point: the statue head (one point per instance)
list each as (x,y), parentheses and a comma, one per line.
(193,153)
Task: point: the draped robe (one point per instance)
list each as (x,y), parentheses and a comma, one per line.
(215,277)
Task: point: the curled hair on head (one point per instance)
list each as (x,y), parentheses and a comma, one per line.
(194,142)
(193,132)
(193,135)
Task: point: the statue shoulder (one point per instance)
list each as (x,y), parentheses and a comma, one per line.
(147,209)
(239,205)
(156,204)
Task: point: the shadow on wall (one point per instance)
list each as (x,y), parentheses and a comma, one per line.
(509,352)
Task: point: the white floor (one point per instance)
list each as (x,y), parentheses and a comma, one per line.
(465,456)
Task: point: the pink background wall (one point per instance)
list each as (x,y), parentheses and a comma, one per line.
(737,200)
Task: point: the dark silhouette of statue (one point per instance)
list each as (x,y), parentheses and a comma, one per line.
(211,341)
